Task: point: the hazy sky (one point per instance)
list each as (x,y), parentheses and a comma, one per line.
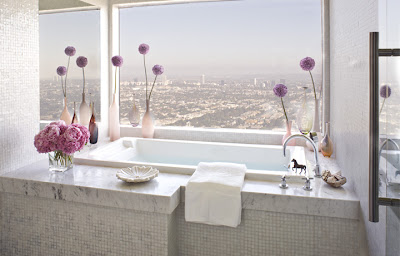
(217,38)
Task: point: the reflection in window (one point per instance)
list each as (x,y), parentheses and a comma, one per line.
(78,29)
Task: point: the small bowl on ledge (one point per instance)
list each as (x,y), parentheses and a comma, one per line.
(137,174)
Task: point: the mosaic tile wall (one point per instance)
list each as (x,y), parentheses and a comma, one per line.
(351,22)
(35,226)
(19,82)
(268,233)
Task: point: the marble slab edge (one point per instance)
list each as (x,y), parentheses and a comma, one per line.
(345,209)
(91,195)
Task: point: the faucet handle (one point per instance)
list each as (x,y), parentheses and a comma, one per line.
(283,184)
(307,185)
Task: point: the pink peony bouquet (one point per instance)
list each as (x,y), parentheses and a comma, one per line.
(62,138)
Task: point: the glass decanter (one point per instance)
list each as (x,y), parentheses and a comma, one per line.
(134,114)
(304,118)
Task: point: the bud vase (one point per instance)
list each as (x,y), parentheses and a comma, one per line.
(84,112)
(148,122)
(134,115)
(65,116)
(60,162)
(93,128)
(326,142)
(114,120)
(316,123)
(288,134)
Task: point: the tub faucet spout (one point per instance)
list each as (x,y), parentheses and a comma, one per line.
(301,136)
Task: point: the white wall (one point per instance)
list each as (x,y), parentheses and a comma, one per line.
(351,22)
(19,82)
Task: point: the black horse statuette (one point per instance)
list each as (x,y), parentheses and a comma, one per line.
(298,166)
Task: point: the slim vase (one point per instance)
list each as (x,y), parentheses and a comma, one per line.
(147,122)
(65,116)
(93,128)
(316,127)
(288,133)
(326,142)
(114,120)
(84,112)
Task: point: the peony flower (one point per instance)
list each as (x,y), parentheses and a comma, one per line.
(158,70)
(61,70)
(81,61)
(144,49)
(72,134)
(117,61)
(385,91)
(307,64)
(280,90)
(70,51)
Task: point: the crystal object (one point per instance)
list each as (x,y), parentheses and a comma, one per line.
(304,118)
(134,115)
(60,162)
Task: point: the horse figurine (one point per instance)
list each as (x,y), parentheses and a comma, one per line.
(298,166)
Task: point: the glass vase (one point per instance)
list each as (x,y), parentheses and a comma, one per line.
(134,115)
(84,112)
(75,116)
(60,162)
(114,120)
(288,134)
(148,122)
(304,117)
(65,115)
(316,123)
(326,142)
(93,128)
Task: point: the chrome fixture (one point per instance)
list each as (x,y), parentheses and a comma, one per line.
(283,183)
(301,136)
(374,149)
(307,185)
(385,142)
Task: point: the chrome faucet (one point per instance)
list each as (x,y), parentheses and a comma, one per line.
(301,136)
(384,144)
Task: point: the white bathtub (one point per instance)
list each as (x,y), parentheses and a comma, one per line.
(176,156)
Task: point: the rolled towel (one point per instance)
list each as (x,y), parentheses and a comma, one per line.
(213,194)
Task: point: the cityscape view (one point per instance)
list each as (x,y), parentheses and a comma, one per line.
(208,102)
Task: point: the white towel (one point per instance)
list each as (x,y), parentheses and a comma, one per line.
(213,194)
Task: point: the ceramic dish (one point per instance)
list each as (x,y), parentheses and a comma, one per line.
(137,174)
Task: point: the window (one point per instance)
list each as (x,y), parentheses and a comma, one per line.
(221,61)
(57,31)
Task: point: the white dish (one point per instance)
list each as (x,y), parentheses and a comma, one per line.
(137,174)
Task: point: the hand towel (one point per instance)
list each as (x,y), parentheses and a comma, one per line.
(213,194)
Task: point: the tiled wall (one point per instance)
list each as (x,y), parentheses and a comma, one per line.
(351,22)
(36,226)
(19,82)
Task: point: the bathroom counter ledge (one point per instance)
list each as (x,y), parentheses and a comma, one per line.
(99,186)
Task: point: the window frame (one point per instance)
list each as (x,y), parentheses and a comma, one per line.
(110,46)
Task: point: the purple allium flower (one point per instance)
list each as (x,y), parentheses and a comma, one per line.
(144,49)
(307,64)
(385,91)
(81,61)
(70,51)
(158,70)
(117,61)
(61,70)
(280,90)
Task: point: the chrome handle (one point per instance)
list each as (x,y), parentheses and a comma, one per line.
(307,185)
(283,184)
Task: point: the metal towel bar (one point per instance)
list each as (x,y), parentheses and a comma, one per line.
(374,199)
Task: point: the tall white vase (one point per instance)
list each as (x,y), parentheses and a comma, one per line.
(84,112)
(114,120)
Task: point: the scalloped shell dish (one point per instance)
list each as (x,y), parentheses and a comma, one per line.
(137,173)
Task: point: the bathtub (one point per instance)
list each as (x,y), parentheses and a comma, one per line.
(264,162)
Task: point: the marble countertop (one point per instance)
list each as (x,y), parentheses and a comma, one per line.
(99,186)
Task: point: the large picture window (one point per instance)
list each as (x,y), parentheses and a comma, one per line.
(221,61)
(57,31)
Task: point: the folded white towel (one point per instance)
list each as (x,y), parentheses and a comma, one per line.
(213,194)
